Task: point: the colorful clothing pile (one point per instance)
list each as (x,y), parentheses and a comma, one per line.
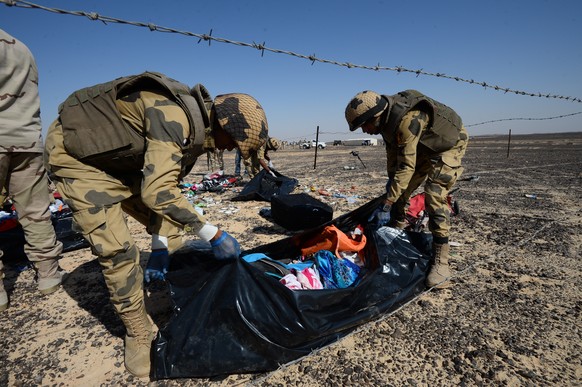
(214,182)
(331,260)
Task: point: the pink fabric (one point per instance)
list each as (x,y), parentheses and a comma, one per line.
(309,278)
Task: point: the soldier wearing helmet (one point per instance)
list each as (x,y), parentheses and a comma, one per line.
(123,146)
(425,142)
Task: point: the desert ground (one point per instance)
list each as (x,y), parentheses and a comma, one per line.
(512,318)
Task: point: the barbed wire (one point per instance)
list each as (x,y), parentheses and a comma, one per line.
(262,48)
(524,119)
(302,137)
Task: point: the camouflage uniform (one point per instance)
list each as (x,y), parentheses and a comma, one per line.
(98,198)
(425,141)
(412,160)
(22,172)
(214,157)
(253,163)
(123,146)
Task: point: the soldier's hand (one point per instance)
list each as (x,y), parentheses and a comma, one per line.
(157,266)
(225,247)
(381,215)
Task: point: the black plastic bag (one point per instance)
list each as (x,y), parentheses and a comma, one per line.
(232,318)
(264,186)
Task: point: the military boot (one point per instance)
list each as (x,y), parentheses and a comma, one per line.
(138,341)
(3,294)
(439,272)
(49,276)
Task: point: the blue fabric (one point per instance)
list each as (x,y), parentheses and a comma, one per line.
(336,273)
(250,258)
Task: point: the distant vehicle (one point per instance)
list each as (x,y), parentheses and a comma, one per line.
(308,145)
(338,142)
(320,144)
(370,142)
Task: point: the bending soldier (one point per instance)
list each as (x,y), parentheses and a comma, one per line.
(124,146)
(425,141)
(261,159)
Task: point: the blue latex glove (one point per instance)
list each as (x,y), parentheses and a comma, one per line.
(380,216)
(225,247)
(157,266)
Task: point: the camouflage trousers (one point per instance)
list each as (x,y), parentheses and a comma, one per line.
(252,165)
(23,176)
(99,202)
(439,174)
(215,159)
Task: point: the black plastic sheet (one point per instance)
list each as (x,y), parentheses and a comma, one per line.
(231,318)
(264,186)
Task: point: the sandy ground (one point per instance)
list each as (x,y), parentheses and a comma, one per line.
(512,317)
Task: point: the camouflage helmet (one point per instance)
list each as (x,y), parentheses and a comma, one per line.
(273,144)
(364,106)
(243,118)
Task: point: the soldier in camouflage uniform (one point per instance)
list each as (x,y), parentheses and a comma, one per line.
(214,156)
(123,146)
(425,142)
(261,159)
(22,171)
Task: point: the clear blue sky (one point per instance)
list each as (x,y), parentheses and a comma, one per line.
(527,45)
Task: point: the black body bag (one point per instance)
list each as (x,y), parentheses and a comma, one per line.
(230,317)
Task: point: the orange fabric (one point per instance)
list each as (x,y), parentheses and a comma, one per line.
(334,240)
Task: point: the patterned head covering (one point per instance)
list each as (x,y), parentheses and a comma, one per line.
(364,106)
(243,118)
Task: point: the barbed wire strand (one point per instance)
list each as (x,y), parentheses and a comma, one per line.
(524,119)
(262,48)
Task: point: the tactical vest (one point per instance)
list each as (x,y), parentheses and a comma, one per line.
(95,133)
(444,126)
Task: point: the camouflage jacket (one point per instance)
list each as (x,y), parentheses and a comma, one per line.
(444,126)
(20,125)
(95,132)
(416,126)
